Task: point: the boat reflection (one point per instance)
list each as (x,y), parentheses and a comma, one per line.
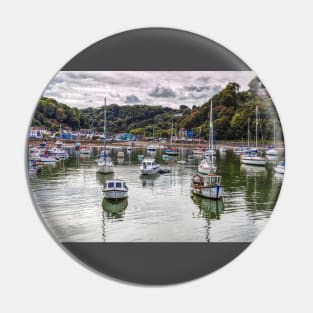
(149,180)
(209,208)
(253,170)
(114,209)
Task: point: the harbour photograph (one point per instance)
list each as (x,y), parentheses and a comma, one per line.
(155,156)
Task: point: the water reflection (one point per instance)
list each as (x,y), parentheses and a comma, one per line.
(253,170)
(114,209)
(209,208)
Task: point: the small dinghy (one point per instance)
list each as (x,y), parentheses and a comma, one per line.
(115,189)
(164,170)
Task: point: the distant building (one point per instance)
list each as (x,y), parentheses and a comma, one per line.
(37,133)
(182,133)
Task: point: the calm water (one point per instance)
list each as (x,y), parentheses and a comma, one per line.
(160,208)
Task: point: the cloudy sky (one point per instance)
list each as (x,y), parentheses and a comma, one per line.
(173,88)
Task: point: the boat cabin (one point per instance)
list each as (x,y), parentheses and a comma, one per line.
(148,163)
(205,181)
(115,184)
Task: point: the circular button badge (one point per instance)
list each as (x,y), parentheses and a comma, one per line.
(155,156)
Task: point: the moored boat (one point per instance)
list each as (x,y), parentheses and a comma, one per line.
(115,189)
(207,186)
(280,167)
(252,157)
(149,167)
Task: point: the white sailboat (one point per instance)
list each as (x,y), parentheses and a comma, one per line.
(207,166)
(105,164)
(251,157)
(273,150)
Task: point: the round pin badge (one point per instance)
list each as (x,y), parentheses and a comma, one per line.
(155,156)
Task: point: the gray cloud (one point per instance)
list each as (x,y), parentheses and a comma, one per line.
(173,88)
(132,99)
(197,88)
(162,92)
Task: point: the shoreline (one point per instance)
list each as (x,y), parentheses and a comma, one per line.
(68,143)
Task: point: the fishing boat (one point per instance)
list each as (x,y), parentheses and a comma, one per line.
(149,167)
(115,189)
(207,186)
(251,157)
(207,166)
(273,150)
(280,167)
(104,164)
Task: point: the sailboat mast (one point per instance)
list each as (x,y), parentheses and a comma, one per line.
(172,131)
(274,134)
(248,132)
(211,129)
(199,135)
(256,127)
(104,127)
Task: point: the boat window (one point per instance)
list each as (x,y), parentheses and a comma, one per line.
(111,185)
(118,185)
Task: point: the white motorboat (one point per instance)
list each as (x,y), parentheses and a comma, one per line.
(115,189)
(105,164)
(47,159)
(222,149)
(149,167)
(152,148)
(59,152)
(208,186)
(252,158)
(129,149)
(280,167)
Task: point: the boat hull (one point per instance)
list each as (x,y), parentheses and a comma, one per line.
(279,169)
(271,152)
(254,161)
(105,169)
(207,170)
(150,171)
(115,194)
(215,192)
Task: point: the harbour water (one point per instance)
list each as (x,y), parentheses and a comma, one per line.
(159,208)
